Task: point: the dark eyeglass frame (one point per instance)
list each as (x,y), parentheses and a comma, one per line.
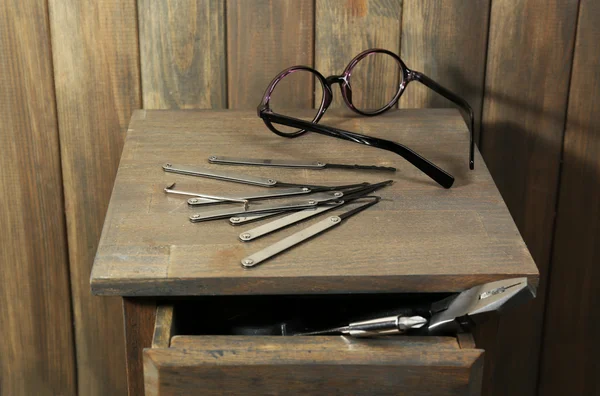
(439,175)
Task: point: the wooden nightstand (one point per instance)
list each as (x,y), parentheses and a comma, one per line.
(178,279)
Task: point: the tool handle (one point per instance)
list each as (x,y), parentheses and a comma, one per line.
(249,218)
(251,209)
(290,241)
(266,162)
(286,221)
(214,159)
(385,326)
(212,174)
(273,193)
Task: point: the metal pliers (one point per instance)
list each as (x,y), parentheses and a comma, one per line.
(455,314)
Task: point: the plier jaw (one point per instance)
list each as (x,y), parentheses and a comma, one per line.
(460,313)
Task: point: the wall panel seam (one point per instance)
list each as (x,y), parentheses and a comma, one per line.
(556,206)
(64,204)
(226,53)
(314,49)
(401,29)
(478,138)
(139,63)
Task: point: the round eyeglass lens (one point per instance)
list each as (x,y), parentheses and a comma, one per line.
(299,95)
(375,81)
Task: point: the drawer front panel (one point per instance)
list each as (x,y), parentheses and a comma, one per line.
(312,366)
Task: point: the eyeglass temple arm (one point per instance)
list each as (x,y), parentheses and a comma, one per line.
(439,175)
(460,102)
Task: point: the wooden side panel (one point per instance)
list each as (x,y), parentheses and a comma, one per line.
(37,354)
(164,327)
(263,38)
(182,49)
(140,318)
(465,340)
(95,50)
(447,41)
(570,348)
(528,67)
(344,29)
(311,366)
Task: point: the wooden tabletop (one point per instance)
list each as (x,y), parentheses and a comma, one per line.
(419,238)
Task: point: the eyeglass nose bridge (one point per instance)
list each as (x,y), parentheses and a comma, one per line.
(342,79)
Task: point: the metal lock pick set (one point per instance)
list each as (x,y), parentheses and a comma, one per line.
(298,202)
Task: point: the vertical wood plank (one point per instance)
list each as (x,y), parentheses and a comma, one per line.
(263,38)
(95,51)
(447,41)
(182,49)
(344,29)
(139,316)
(37,354)
(572,324)
(528,67)
(164,327)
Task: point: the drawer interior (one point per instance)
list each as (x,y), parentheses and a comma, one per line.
(287,315)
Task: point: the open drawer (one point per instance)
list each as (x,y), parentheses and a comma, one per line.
(181,362)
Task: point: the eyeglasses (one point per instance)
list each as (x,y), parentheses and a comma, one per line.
(351,83)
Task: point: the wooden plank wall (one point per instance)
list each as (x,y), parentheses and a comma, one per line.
(97,79)
(73,71)
(570,348)
(182,50)
(260,45)
(529,50)
(343,31)
(448,42)
(36,348)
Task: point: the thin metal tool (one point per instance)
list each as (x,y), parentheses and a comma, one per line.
(245,179)
(214,159)
(227,176)
(349,195)
(296,204)
(286,221)
(275,193)
(294,218)
(170,189)
(249,218)
(389,325)
(303,235)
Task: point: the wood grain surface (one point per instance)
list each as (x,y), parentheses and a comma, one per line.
(140,317)
(37,355)
(570,348)
(420,238)
(263,38)
(465,340)
(95,51)
(164,327)
(447,41)
(182,54)
(528,68)
(344,29)
(311,365)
